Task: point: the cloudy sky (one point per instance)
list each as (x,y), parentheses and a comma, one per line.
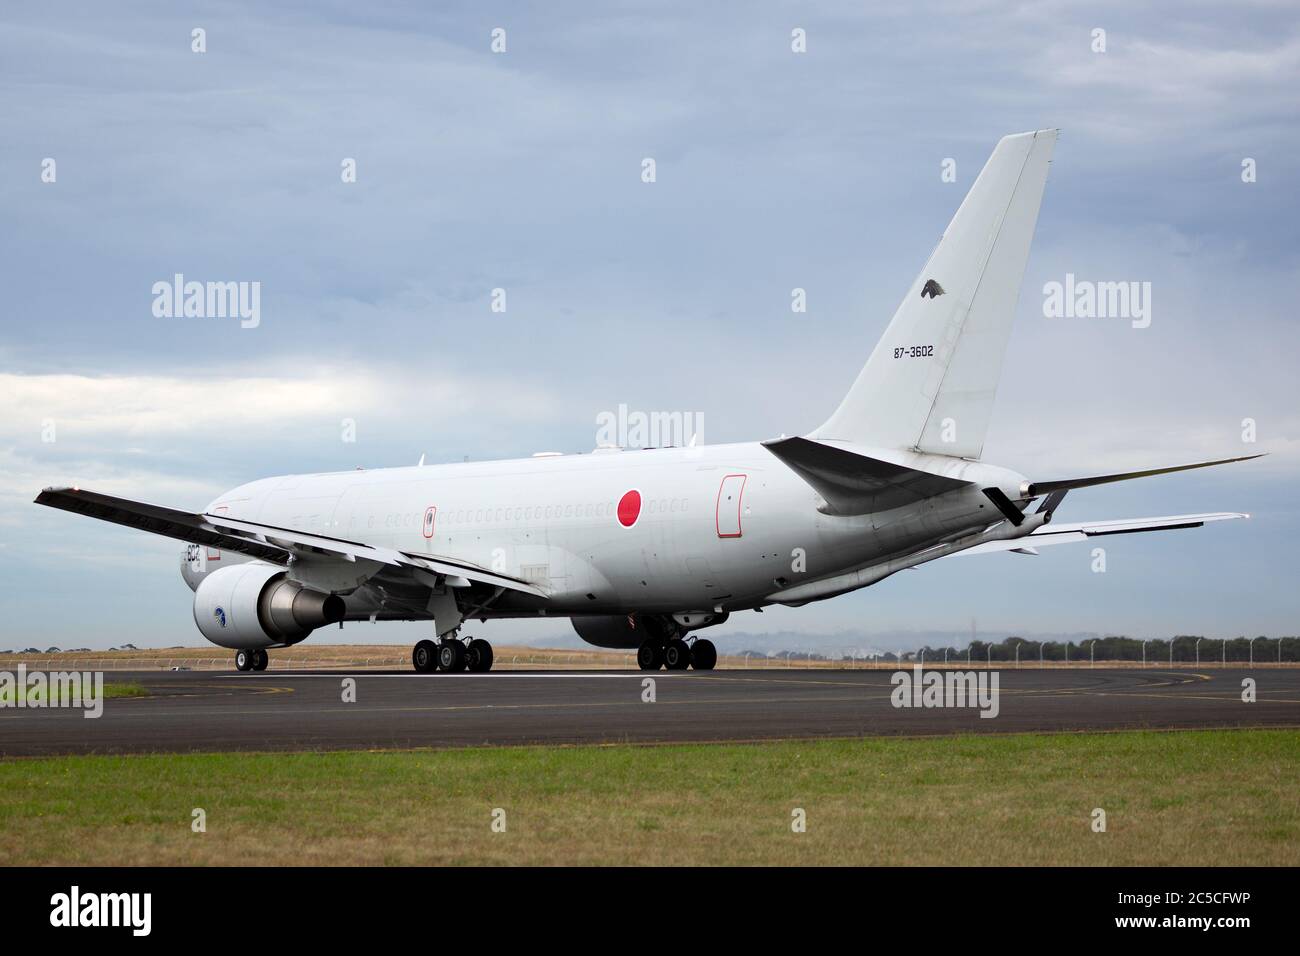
(522,170)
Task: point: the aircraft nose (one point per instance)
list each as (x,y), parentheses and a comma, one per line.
(191,566)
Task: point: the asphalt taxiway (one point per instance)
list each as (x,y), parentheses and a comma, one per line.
(305,710)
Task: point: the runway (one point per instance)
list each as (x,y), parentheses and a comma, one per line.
(304,710)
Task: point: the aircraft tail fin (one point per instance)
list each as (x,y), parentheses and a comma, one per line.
(930,382)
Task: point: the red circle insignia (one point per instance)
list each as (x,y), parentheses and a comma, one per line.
(629,508)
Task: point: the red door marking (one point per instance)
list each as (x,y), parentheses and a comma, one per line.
(213,553)
(727,519)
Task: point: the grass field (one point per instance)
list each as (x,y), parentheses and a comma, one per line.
(1206,798)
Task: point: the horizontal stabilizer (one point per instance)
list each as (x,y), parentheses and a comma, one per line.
(854,484)
(1065,533)
(1036,488)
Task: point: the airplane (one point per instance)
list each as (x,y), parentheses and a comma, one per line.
(644,548)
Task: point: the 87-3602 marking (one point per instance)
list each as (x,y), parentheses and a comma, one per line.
(914,351)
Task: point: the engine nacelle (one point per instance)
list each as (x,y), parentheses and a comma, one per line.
(624,630)
(611,630)
(255,605)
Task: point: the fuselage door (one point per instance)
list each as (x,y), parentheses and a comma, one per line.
(214,554)
(729,496)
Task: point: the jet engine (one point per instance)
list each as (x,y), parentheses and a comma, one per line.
(623,630)
(255,605)
(610,630)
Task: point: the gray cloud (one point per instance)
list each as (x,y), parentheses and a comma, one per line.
(521,171)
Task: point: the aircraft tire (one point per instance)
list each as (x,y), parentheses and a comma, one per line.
(261,660)
(243,660)
(451,656)
(425,657)
(704,656)
(677,655)
(478,656)
(650,656)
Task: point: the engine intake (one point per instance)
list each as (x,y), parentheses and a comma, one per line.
(255,605)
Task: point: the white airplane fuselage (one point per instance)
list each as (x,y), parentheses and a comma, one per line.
(641,547)
(718,528)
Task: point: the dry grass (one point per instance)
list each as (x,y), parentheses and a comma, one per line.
(314,656)
(1191,798)
(508,657)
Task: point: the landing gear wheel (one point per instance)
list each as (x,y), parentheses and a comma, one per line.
(704,656)
(451,656)
(478,656)
(677,655)
(243,660)
(425,657)
(650,656)
(261,660)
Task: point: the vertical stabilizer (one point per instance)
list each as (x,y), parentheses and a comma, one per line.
(930,383)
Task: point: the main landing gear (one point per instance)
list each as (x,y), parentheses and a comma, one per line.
(452,654)
(676,655)
(252,660)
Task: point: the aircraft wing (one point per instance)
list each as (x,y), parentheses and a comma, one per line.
(1083,530)
(266,542)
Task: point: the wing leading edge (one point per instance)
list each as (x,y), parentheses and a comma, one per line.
(264,542)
